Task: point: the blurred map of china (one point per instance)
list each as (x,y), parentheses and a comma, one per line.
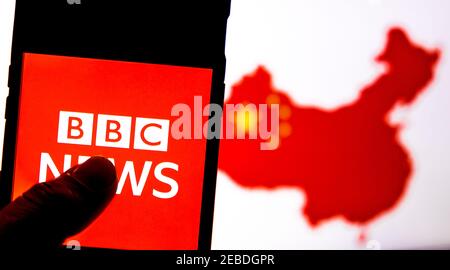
(349,161)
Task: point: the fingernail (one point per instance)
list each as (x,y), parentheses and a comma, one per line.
(97,173)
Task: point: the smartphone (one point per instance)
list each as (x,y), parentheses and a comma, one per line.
(124,80)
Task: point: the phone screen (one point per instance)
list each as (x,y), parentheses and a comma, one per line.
(72,108)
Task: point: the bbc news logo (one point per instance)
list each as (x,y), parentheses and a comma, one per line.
(113,131)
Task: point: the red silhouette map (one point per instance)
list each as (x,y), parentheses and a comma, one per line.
(349,162)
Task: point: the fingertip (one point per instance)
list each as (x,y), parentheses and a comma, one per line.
(97,173)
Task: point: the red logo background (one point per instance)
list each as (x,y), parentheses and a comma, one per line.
(54,83)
